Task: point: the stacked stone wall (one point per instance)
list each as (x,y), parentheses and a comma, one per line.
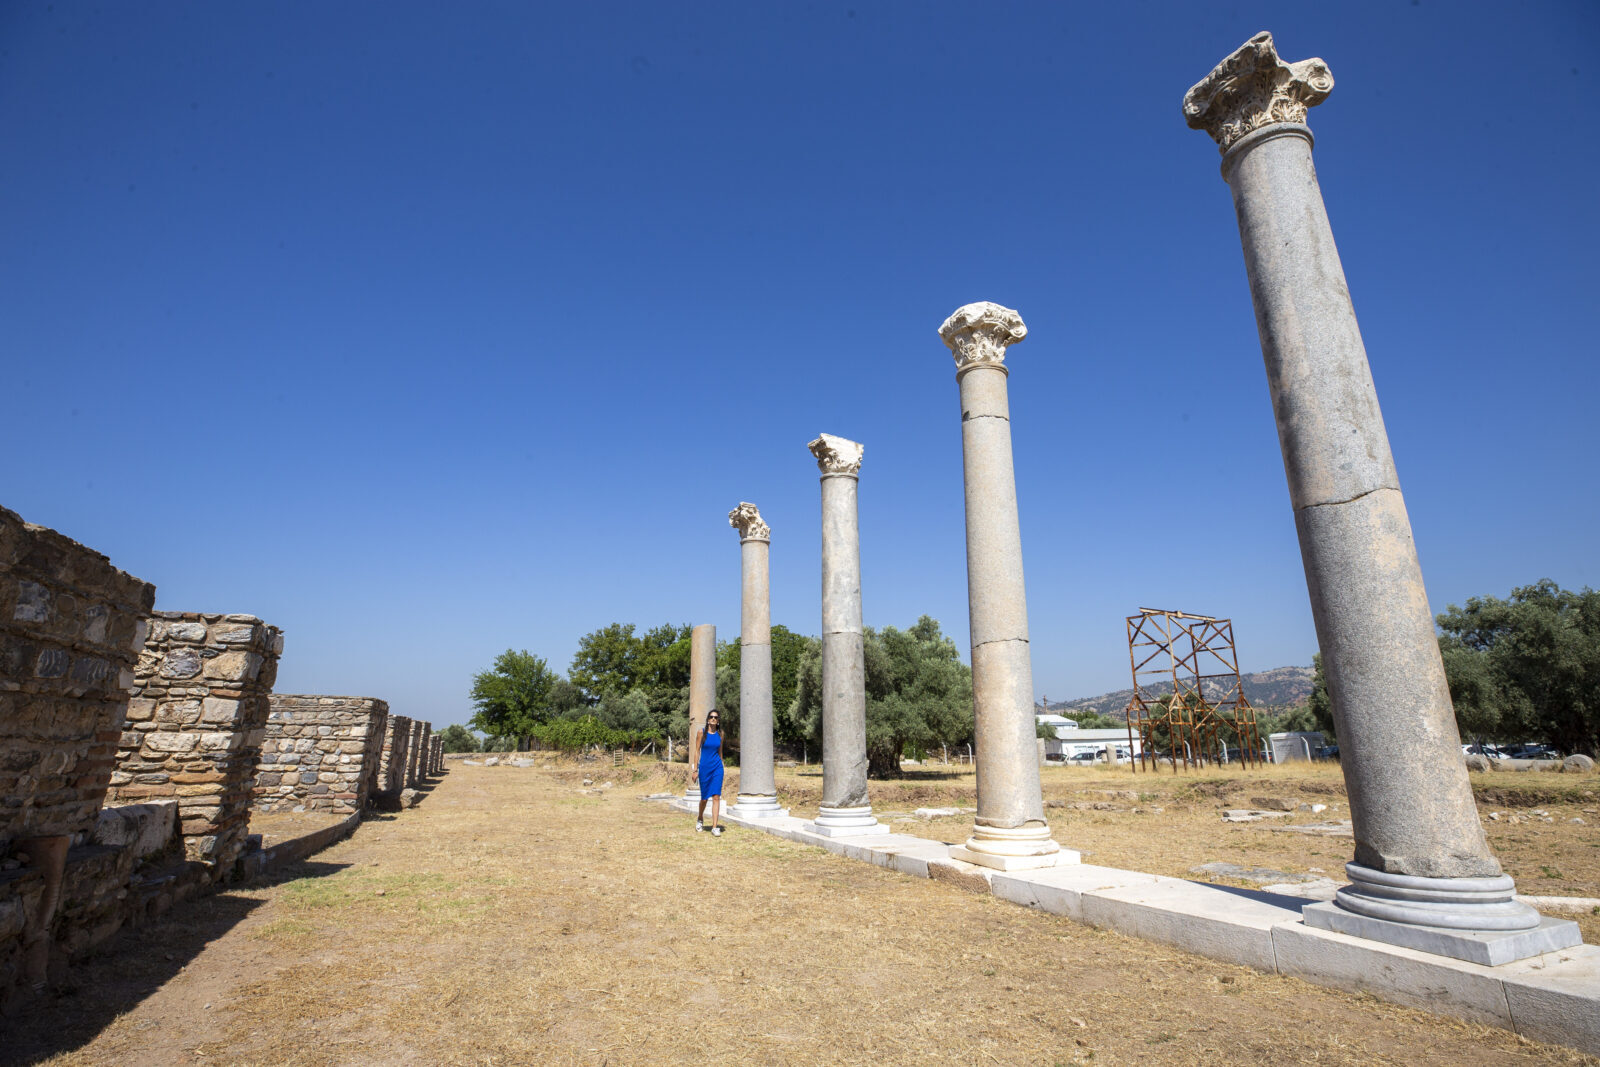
(71,626)
(424,767)
(320,753)
(438,754)
(196,721)
(414,754)
(392,767)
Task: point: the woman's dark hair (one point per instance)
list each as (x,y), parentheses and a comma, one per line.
(710,713)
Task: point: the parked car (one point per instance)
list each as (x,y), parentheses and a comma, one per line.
(1087,757)
(1327,752)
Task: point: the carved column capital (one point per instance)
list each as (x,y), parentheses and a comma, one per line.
(746,518)
(1254,88)
(979,333)
(835,455)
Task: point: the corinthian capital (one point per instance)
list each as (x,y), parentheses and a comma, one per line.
(979,333)
(835,455)
(1254,88)
(746,518)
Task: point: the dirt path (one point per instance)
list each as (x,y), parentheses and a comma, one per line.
(513,919)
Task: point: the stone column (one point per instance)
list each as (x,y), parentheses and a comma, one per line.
(1009,831)
(758,790)
(702,694)
(1423,873)
(845,809)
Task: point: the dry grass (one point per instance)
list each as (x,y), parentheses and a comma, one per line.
(512,919)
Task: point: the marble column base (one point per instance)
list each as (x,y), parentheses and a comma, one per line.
(846,822)
(1024,848)
(757,806)
(1490,948)
(1474,919)
(692,794)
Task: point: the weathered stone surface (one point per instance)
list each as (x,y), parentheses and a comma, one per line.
(71,629)
(1010,826)
(211,702)
(340,771)
(844,692)
(702,695)
(1578,763)
(758,791)
(1410,801)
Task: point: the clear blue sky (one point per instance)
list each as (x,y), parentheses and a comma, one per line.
(427,330)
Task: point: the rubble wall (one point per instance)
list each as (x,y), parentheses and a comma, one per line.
(71,626)
(392,767)
(320,753)
(196,720)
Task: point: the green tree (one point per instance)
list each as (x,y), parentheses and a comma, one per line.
(607,661)
(1527,667)
(919,693)
(626,711)
(512,697)
(786,649)
(1091,720)
(1320,704)
(458,738)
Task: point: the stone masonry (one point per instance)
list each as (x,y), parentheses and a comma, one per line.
(391,768)
(424,768)
(71,626)
(414,754)
(320,753)
(195,726)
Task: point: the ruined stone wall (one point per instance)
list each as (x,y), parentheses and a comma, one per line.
(195,725)
(320,753)
(71,626)
(392,768)
(438,754)
(414,754)
(424,768)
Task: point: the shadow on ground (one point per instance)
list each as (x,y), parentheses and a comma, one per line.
(131,967)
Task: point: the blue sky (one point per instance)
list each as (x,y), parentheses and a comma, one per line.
(424,331)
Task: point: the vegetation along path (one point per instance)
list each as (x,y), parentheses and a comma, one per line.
(517,917)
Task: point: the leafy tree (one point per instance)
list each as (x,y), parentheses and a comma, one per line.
(626,711)
(1091,720)
(512,697)
(1527,666)
(787,647)
(1044,730)
(1320,704)
(607,660)
(458,738)
(919,693)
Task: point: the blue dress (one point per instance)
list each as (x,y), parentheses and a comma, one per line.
(711,765)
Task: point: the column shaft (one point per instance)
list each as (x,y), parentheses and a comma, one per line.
(755,673)
(1410,801)
(1009,794)
(844,684)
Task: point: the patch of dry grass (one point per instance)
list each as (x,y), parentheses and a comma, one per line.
(512,919)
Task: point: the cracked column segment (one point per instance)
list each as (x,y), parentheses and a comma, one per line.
(845,810)
(1410,800)
(1009,831)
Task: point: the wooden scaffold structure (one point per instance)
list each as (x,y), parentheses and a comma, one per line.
(1203,708)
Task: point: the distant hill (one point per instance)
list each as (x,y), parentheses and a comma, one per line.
(1281,686)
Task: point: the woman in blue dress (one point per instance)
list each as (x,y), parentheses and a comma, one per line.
(708,758)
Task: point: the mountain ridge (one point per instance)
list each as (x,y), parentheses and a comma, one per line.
(1278,687)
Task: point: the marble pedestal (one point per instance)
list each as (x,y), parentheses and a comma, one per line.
(846,822)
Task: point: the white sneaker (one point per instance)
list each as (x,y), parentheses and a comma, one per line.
(716,831)
(698,826)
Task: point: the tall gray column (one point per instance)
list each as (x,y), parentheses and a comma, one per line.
(845,809)
(1422,866)
(758,790)
(1009,831)
(702,693)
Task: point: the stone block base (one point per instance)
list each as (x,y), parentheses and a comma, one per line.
(869,830)
(757,807)
(1061,857)
(1488,948)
